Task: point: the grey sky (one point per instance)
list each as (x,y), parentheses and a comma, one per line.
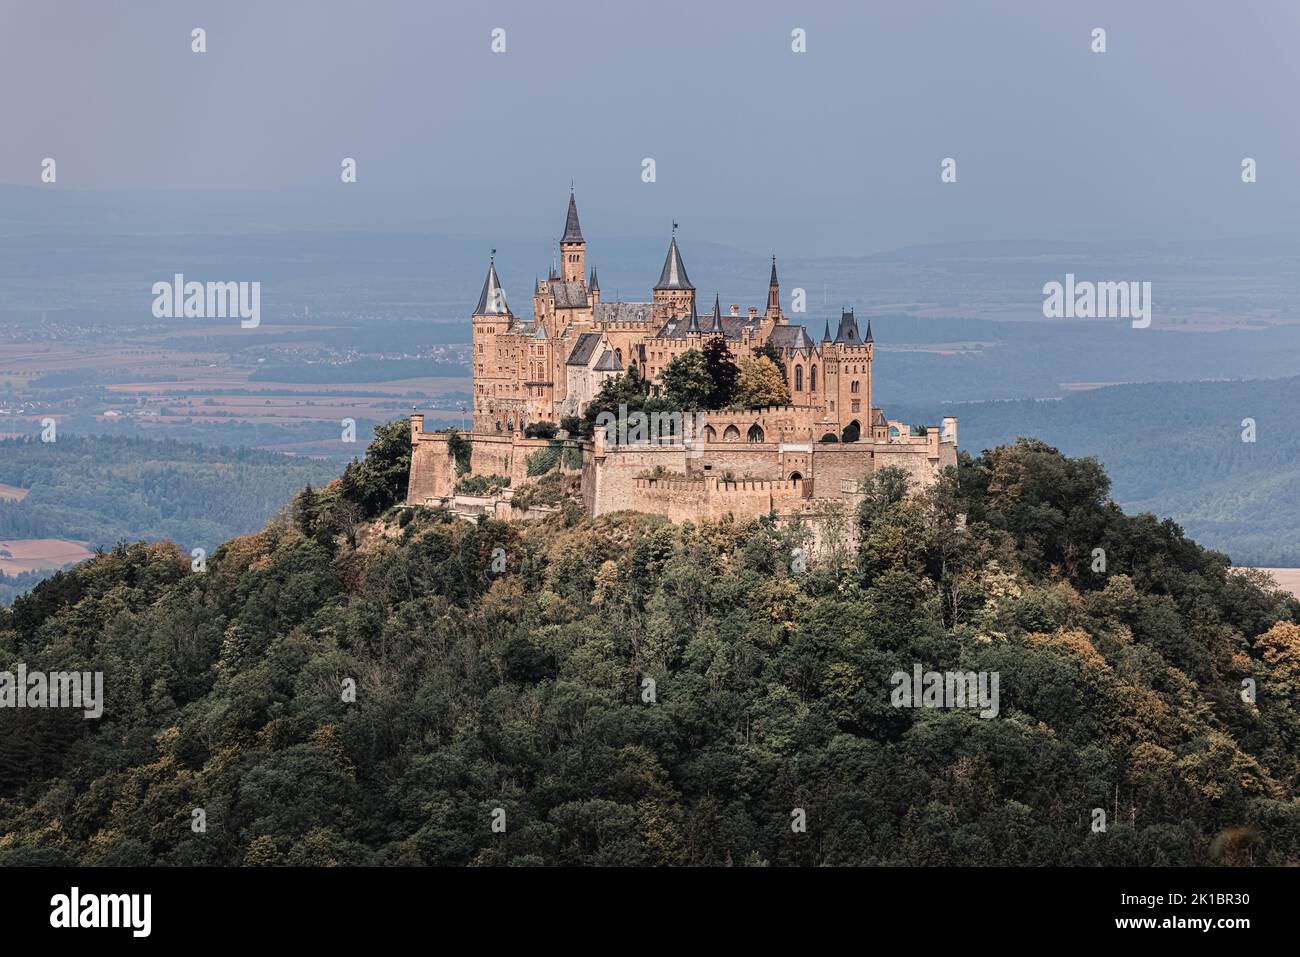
(834,150)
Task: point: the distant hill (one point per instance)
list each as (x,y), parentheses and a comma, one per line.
(101,490)
(1174,449)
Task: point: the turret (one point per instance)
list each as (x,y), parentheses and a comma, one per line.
(673,294)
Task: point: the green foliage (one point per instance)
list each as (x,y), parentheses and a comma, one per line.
(540,430)
(760,383)
(378,481)
(99,490)
(722,373)
(769,350)
(542,461)
(522,689)
(627,389)
(686,382)
(482,484)
(461,450)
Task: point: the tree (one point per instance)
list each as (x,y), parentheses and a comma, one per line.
(461,450)
(540,430)
(686,381)
(722,373)
(769,350)
(626,389)
(760,383)
(379,480)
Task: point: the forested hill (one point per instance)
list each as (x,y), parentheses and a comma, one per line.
(626,691)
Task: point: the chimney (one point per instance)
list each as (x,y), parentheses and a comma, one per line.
(735,309)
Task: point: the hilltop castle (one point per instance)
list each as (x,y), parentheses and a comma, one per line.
(744,462)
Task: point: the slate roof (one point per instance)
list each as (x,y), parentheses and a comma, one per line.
(572,231)
(621,312)
(584,349)
(732,327)
(568,295)
(674,275)
(492,300)
(791,337)
(609,362)
(848,330)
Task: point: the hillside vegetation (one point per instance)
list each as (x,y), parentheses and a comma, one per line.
(511,686)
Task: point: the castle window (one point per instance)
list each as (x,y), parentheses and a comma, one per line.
(732,434)
(798,378)
(812,379)
(854,386)
(755,433)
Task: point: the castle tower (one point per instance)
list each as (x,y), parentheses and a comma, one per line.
(593,288)
(673,294)
(573,248)
(493,328)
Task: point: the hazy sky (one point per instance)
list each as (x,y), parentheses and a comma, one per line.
(836,149)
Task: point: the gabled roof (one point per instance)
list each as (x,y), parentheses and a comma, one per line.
(584,349)
(674,275)
(572,231)
(609,362)
(492,300)
(791,337)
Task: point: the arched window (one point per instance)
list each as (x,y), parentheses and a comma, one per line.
(796,477)
(710,434)
(755,433)
(851,431)
(798,378)
(732,434)
(812,379)
(498,425)
(828,438)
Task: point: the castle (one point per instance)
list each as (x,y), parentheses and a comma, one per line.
(792,459)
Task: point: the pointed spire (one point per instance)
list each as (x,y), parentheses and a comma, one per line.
(694,326)
(715,326)
(492,300)
(772,281)
(572,231)
(826,336)
(869,337)
(674,271)
(595,283)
